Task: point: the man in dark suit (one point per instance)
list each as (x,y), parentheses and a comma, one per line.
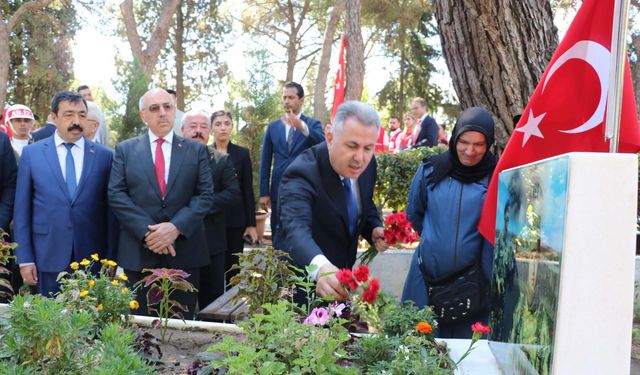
(284,139)
(196,126)
(44,132)
(61,213)
(8,171)
(160,190)
(326,198)
(427,130)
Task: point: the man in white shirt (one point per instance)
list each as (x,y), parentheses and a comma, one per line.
(20,118)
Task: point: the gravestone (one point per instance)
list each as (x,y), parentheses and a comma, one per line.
(563,280)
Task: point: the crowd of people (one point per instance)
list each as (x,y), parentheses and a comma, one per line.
(168,198)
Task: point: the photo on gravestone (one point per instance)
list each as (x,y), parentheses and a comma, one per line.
(530,221)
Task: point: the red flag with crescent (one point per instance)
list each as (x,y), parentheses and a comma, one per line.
(566,112)
(339,88)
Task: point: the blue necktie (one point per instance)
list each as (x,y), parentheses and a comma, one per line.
(352,208)
(70,170)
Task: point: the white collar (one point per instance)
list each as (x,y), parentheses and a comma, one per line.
(167,138)
(58,140)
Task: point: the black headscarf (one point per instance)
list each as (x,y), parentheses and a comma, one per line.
(447,164)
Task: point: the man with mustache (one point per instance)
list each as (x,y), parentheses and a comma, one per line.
(196,126)
(160,190)
(284,139)
(61,213)
(326,199)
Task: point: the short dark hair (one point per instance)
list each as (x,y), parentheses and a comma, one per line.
(171,91)
(297,86)
(65,96)
(395,117)
(82,87)
(222,112)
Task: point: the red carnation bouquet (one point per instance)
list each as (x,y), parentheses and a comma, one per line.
(364,292)
(397,229)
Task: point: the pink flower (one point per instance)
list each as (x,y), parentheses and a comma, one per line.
(318,317)
(335,309)
(480,328)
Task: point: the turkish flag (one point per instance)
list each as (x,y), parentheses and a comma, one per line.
(4,126)
(566,112)
(339,89)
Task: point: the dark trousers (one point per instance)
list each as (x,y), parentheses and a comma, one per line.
(235,244)
(212,280)
(185,298)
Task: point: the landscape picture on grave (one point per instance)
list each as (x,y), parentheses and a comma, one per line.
(530,221)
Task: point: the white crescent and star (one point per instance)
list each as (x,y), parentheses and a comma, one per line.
(597,56)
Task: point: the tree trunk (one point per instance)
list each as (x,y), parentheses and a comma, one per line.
(319,105)
(6,27)
(496,52)
(177,48)
(355,52)
(635,68)
(149,56)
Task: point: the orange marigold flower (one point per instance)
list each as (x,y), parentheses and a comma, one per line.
(133,305)
(83,292)
(74,266)
(424,327)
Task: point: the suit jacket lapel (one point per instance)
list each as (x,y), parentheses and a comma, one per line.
(51,156)
(87,165)
(143,150)
(177,156)
(333,186)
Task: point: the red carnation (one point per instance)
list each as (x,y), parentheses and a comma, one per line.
(374,285)
(361,273)
(345,277)
(369,296)
(480,328)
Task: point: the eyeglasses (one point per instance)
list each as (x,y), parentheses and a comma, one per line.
(154,108)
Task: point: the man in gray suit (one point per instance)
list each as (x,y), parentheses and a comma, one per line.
(160,190)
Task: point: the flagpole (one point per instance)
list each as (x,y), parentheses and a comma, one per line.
(616,72)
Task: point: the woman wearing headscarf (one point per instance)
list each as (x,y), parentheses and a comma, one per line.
(453,261)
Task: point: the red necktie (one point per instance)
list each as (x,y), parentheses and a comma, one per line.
(160,167)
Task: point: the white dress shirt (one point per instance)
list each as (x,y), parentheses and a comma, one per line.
(18,145)
(166,151)
(77,151)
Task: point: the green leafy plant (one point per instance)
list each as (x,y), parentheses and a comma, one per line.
(278,343)
(397,320)
(98,292)
(6,254)
(265,276)
(395,173)
(161,284)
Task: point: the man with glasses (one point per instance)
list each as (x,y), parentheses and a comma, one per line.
(160,190)
(61,205)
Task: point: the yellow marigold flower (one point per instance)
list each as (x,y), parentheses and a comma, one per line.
(123,277)
(91,283)
(125,290)
(83,292)
(424,327)
(74,266)
(99,307)
(85,262)
(112,263)
(104,261)
(133,305)
(95,257)
(114,282)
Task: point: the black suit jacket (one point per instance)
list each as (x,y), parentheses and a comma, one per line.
(245,214)
(313,213)
(8,173)
(428,135)
(45,132)
(135,198)
(226,196)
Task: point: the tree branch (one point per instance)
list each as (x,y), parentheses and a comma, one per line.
(29,6)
